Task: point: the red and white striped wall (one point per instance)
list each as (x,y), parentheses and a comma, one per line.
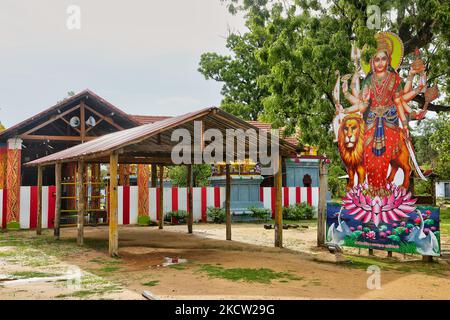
(290,196)
(29,205)
(174,199)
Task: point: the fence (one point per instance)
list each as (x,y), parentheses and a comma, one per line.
(174,199)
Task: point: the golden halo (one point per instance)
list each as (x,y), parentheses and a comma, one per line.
(394,44)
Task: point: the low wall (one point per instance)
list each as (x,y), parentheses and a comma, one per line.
(174,199)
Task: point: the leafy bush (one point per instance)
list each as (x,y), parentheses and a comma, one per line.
(180,215)
(217,215)
(299,211)
(143,220)
(261,213)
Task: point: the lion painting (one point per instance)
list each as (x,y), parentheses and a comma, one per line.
(351,147)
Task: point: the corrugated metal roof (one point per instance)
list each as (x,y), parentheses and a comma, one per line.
(113,141)
(149,119)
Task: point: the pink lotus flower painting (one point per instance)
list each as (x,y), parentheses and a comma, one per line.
(393,206)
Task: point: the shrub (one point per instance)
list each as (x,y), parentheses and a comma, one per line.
(217,215)
(299,211)
(261,213)
(180,215)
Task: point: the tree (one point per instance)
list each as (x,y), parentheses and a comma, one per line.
(200,175)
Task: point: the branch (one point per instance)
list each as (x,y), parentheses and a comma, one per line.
(432,107)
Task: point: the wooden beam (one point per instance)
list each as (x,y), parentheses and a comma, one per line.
(52,119)
(68,123)
(227,201)
(82,119)
(113,210)
(56,230)
(39,201)
(161,196)
(101,116)
(190,200)
(54,138)
(154,176)
(322,210)
(278,184)
(96,124)
(81,207)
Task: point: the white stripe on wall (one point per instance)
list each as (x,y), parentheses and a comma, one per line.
(267,198)
(44,198)
(120,205)
(291,196)
(209,197)
(315,199)
(167,200)
(182,199)
(24,215)
(304,195)
(134,196)
(197,203)
(152,203)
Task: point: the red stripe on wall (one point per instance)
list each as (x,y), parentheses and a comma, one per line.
(217,197)
(309,195)
(174,202)
(33,206)
(286,196)
(261,194)
(204,204)
(51,206)
(157,203)
(5,198)
(298,197)
(272,190)
(126,205)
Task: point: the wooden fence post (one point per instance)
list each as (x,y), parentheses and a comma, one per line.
(56,230)
(227,202)
(39,201)
(81,207)
(322,210)
(190,200)
(113,211)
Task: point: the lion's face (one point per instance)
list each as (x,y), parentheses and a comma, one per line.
(351,131)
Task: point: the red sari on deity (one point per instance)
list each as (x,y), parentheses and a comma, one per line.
(382,135)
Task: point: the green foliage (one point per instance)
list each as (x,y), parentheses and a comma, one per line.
(299,211)
(200,175)
(217,215)
(336,185)
(261,213)
(180,215)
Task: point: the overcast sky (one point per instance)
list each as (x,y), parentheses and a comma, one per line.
(140,55)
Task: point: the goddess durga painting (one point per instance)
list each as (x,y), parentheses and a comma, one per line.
(378,143)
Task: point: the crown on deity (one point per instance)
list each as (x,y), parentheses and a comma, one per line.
(384,43)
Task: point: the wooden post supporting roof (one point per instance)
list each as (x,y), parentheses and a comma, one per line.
(113,211)
(161,196)
(227,202)
(154,176)
(322,210)
(278,184)
(190,200)
(81,207)
(56,230)
(39,201)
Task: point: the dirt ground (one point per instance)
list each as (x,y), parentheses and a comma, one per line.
(305,272)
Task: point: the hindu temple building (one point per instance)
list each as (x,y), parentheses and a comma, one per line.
(86,116)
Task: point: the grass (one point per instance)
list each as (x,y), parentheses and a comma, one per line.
(261,275)
(151,283)
(33,274)
(178,266)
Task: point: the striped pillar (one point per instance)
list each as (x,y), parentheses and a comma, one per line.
(13,179)
(143,191)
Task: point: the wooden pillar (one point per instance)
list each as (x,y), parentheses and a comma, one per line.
(39,200)
(3,161)
(57,200)
(13,179)
(190,200)
(227,201)
(322,210)
(278,179)
(154,176)
(113,211)
(96,179)
(161,196)
(81,203)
